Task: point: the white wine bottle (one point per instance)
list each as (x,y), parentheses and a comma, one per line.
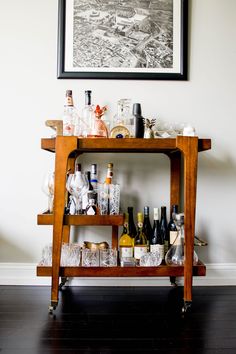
(125,242)
(140,241)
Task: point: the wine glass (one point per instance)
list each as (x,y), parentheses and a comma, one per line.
(77,187)
(48,189)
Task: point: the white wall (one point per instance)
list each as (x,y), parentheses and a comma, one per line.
(30,94)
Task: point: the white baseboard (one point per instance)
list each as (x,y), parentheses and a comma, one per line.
(25,274)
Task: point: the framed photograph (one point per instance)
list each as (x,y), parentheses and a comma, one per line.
(123,39)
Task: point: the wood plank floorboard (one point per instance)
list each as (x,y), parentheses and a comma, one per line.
(106,320)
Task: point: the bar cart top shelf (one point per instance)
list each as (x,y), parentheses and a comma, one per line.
(161,145)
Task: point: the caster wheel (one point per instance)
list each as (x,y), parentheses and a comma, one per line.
(186,307)
(52,307)
(63,282)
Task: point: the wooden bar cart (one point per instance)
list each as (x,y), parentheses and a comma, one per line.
(66,150)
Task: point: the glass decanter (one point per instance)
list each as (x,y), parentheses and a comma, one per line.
(123,118)
(175,255)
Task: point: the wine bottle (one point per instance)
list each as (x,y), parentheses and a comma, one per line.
(147,228)
(172,229)
(164,229)
(125,242)
(140,241)
(157,242)
(132,232)
(138,121)
(69,115)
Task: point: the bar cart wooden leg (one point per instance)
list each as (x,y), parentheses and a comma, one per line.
(175,176)
(189,146)
(64,147)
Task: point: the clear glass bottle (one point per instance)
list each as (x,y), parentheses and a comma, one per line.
(175,255)
(123,121)
(157,242)
(125,241)
(94,176)
(88,114)
(70,115)
(140,241)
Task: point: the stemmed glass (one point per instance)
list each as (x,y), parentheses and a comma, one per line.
(48,189)
(76,186)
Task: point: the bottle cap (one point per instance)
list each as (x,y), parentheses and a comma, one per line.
(146,210)
(110,165)
(137,109)
(88,92)
(130,209)
(68,92)
(94,168)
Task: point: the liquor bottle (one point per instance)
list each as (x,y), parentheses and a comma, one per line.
(140,241)
(69,115)
(126,242)
(109,175)
(94,178)
(91,208)
(88,114)
(132,232)
(164,229)
(172,229)
(157,242)
(147,229)
(138,121)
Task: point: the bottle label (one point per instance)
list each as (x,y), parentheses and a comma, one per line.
(139,251)
(173,235)
(158,248)
(91,211)
(126,252)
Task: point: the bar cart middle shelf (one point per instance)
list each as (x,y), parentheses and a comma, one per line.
(67,149)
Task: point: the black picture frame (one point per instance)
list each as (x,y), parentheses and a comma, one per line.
(144,74)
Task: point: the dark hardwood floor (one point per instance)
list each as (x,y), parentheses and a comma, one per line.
(117,319)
